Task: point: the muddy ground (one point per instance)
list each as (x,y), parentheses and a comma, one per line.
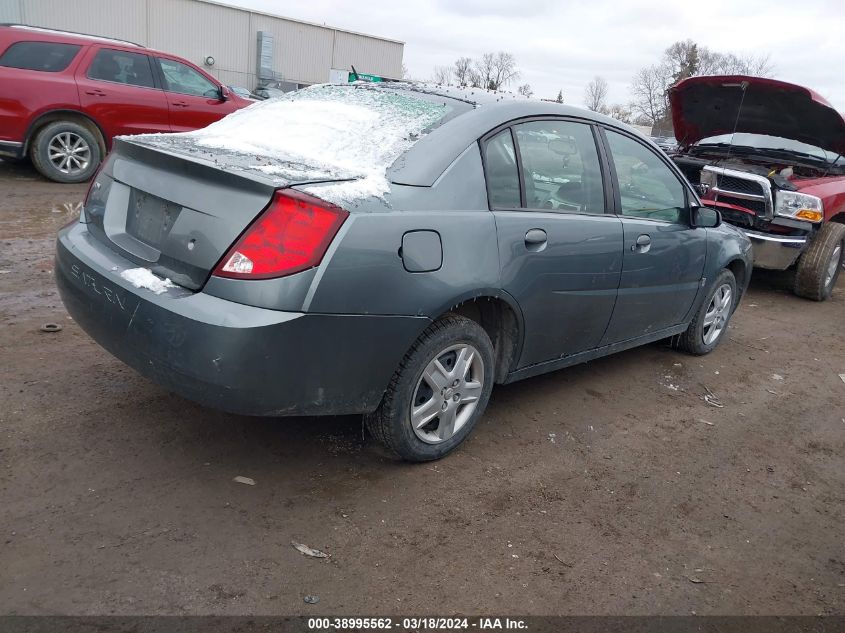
(609,488)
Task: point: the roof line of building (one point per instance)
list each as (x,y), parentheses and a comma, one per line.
(283,17)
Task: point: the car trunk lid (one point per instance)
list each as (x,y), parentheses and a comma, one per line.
(713,105)
(174,214)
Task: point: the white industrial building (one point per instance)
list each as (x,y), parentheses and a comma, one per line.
(238,46)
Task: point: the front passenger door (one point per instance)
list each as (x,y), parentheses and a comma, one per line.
(663,255)
(193,99)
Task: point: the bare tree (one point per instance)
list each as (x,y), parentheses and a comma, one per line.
(648,90)
(559,98)
(495,70)
(595,94)
(442,75)
(620,112)
(682,59)
(733,64)
(525,90)
(463,71)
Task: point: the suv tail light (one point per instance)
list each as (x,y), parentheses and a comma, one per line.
(289,236)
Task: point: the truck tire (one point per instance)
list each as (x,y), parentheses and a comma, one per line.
(821,263)
(710,323)
(438,393)
(65,151)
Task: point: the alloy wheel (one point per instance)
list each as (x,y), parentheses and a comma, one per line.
(69,153)
(447,393)
(716,317)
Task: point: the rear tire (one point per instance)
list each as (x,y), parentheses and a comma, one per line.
(65,151)
(821,263)
(708,327)
(438,393)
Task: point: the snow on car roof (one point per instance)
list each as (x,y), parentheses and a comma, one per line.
(352,132)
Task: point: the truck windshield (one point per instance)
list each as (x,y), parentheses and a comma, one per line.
(763,143)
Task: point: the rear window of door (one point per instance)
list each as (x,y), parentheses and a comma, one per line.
(183,79)
(47,57)
(501,172)
(122,67)
(648,188)
(560,167)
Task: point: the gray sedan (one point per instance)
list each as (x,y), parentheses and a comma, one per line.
(394,251)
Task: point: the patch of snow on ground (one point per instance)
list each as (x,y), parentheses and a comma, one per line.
(337,132)
(144,278)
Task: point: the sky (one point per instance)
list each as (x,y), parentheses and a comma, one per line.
(563,44)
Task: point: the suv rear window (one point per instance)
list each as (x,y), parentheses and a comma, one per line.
(48,57)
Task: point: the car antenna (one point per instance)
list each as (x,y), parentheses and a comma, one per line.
(355,72)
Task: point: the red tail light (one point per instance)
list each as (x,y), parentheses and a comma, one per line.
(290,235)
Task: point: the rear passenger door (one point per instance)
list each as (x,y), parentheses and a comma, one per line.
(193,99)
(560,250)
(118,88)
(664,255)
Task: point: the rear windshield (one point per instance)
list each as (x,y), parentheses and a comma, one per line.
(326,132)
(48,57)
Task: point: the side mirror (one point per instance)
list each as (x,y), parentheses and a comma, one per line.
(224,93)
(705,217)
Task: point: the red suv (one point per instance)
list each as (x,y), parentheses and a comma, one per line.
(64,96)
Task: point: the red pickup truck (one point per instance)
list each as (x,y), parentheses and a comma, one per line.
(64,96)
(769,156)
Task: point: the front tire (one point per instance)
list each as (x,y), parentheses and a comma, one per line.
(708,327)
(66,152)
(821,263)
(438,393)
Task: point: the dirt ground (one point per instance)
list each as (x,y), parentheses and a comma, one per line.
(609,488)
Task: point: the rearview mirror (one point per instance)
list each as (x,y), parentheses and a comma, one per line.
(563,147)
(705,217)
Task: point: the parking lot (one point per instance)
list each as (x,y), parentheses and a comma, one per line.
(611,488)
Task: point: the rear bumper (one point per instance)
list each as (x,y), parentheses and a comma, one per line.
(775,252)
(227,355)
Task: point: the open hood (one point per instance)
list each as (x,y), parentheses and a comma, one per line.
(709,106)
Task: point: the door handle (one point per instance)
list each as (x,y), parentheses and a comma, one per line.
(643,244)
(95,93)
(180,104)
(535,239)
(535,236)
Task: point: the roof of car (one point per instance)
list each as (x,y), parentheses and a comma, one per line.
(429,157)
(59,34)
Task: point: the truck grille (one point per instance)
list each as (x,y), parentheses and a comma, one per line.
(739,188)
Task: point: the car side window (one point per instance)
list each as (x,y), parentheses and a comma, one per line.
(501,172)
(185,80)
(560,166)
(122,67)
(47,57)
(647,187)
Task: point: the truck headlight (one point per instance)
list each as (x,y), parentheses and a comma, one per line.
(800,206)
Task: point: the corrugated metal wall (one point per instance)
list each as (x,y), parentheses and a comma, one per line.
(194,29)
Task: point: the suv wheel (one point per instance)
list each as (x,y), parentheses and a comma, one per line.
(821,263)
(438,393)
(65,151)
(710,323)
